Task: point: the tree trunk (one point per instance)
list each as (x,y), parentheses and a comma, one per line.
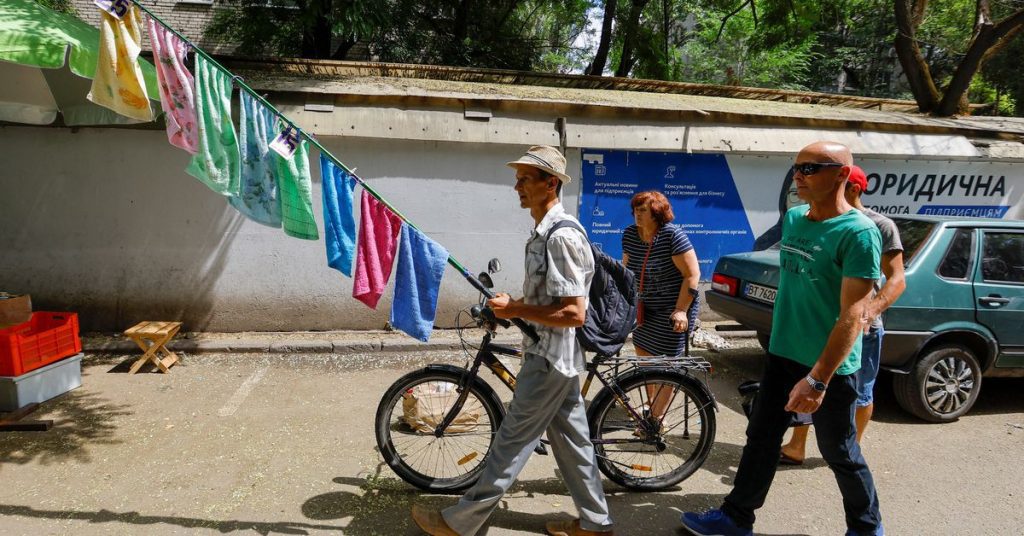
(629,35)
(343,48)
(322,29)
(596,67)
(454,51)
(915,68)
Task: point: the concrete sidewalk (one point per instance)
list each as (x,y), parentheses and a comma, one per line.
(318,342)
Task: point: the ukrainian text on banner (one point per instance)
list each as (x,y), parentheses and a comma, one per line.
(895,188)
(698,186)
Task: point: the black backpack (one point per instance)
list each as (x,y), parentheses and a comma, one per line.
(611,315)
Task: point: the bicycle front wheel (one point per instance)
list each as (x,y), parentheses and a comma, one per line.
(409,414)
(670,441)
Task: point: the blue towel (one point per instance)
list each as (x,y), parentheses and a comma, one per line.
(421,264)
(258,195)
(339,219)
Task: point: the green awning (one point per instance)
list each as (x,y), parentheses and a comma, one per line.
(36,38)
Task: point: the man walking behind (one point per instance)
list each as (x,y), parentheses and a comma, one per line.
(793,453)
(547,396)
(830,260)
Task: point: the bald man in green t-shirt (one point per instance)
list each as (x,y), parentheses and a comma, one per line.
(830,261)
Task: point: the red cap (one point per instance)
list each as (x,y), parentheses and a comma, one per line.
(857,177)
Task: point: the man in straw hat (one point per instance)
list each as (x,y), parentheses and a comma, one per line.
(547,396)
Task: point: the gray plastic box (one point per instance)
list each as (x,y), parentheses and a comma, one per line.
(41,384)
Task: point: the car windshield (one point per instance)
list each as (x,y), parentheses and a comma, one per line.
(913,234)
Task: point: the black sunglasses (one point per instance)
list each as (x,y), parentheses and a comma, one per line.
(810,168)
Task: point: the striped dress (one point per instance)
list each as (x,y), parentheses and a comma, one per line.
(662,281)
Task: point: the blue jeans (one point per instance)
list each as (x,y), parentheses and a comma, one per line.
(836,434)
(870,358)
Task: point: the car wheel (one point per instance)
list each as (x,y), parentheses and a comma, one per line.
(763,339)
(942,386)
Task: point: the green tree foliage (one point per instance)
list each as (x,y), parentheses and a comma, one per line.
(993,25)
(736,53)
(303,28)
(511,34)
(842,46)
(60,6)
(1003,74)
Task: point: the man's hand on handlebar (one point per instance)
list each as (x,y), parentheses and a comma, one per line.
(503,305)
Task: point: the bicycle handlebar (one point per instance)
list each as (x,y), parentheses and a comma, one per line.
(519,322)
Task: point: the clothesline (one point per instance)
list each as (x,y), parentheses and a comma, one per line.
(312,139)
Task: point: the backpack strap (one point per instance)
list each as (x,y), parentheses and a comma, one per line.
(561,224)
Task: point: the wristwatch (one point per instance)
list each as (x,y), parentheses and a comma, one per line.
(818,386)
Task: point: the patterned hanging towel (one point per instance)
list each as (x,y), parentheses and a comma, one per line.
(339,219)
(118,83)
(258,195)
(217,161)
(296,191)
(176,96)
(378,238)
(421,263)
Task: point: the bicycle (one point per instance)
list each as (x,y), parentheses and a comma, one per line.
(434,426)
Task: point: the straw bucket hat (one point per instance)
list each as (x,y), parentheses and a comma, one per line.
(544,158)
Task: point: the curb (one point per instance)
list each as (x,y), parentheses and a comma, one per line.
(390,342)
(263,346)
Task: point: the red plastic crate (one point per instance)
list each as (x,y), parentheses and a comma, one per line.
(46,338)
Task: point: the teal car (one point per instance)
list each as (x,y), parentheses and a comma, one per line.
(960,319)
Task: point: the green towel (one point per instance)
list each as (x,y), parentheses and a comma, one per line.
(296,192)
(217,163)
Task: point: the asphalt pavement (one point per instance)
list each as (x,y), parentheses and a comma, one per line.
(281,442)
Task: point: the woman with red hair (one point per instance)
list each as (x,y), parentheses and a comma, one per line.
(666,267)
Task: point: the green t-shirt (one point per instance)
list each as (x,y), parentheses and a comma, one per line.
(815,258)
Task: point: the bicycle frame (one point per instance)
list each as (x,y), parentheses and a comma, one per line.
(486,355)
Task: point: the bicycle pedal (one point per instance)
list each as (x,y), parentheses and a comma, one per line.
(541,449)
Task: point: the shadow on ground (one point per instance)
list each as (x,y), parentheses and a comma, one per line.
(135,518)
(80,419)
(377,505)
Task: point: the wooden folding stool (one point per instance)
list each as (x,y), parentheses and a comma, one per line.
(152,338)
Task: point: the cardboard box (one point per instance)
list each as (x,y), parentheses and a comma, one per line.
(14,309)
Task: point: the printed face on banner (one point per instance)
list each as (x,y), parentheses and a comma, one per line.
(286,142)
(116,8)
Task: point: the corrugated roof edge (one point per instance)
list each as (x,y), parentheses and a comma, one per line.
(885,114)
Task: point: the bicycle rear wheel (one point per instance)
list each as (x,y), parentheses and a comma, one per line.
(672,441)
(408,415)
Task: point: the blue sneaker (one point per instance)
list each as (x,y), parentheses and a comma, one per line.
(880,531)
(713,523)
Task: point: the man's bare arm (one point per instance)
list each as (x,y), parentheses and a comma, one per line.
(854,298)
(895,284)
(567,313)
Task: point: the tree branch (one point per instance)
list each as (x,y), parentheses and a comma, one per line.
(909,53)
(729,16)
(987,36)
(604,45)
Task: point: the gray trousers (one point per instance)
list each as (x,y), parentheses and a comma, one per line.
(544,399)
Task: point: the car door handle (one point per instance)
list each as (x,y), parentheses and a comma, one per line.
(994,301)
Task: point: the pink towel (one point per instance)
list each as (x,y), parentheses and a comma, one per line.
(378,239)
(176,83)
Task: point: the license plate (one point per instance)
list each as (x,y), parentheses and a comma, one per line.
(759,293)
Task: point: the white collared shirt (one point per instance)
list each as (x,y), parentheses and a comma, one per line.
(566,272)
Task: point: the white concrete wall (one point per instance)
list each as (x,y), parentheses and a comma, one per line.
(106,222)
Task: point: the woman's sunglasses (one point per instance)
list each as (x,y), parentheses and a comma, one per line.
(811,168)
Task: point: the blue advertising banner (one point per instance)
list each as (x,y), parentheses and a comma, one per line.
(699,187)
